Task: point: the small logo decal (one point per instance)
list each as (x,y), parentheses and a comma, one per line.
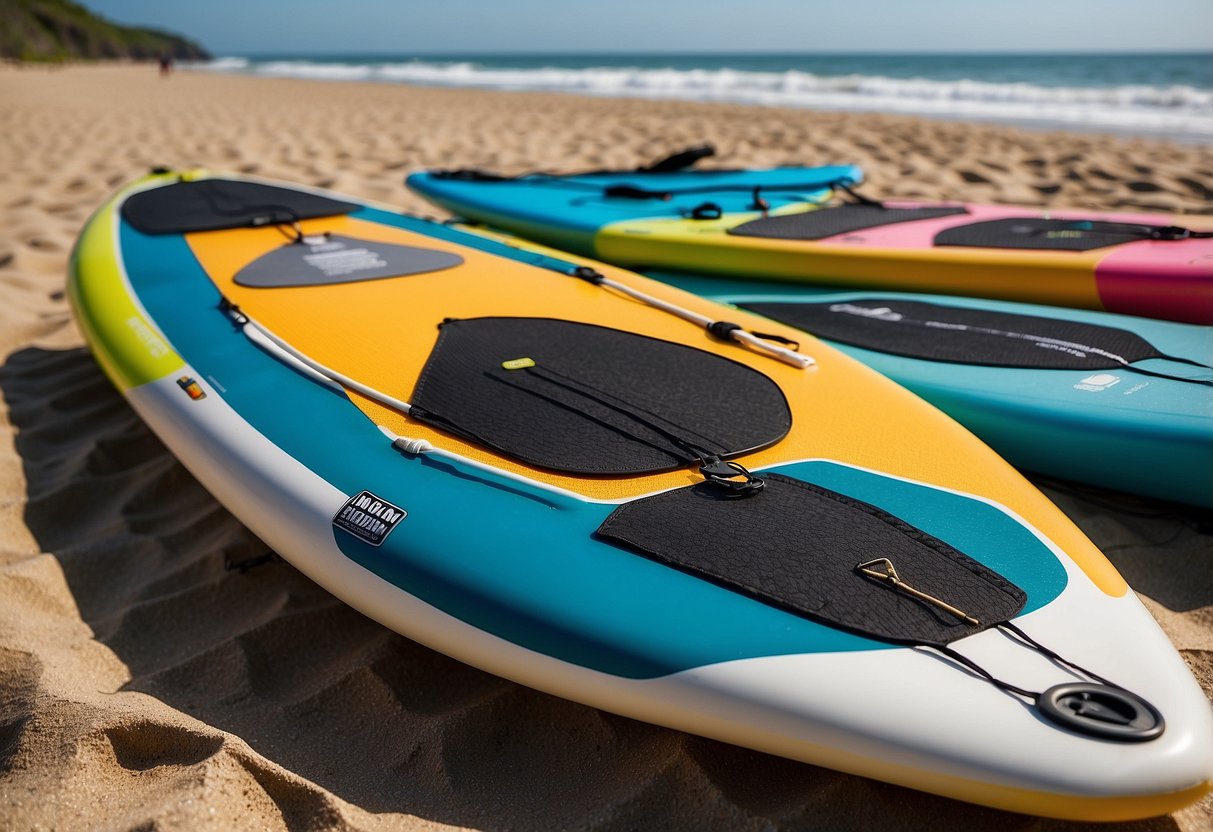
(368,517)
(155,345)
(883,313)
(1095,383)
(191,388)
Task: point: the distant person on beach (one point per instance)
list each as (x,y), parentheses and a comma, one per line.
(166,64)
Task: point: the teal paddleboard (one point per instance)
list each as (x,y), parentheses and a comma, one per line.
(569,210)
(1106,424)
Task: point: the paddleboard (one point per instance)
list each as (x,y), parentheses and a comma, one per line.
(1151,265)
(620,493)
(1114,401)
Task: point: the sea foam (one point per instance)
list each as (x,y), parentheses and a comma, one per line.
(1177,110)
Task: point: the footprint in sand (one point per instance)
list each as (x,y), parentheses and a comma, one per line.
(1200,189)
(42,244)
(144,745)
(974,178)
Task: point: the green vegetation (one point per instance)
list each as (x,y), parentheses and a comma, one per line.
(56,30)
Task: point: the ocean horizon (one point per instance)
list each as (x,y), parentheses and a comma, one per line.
(1166,95)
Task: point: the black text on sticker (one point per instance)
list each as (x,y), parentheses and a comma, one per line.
(368,517)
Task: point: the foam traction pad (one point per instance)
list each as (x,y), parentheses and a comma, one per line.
(1041,234)
(216,204)
(795,545)
(936,332)
(827,222)
(588,399)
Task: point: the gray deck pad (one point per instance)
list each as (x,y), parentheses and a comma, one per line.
(827,222)
(329,259)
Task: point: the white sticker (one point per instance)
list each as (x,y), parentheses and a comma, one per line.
(1097,382)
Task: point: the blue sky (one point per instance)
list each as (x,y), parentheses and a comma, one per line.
(233,27)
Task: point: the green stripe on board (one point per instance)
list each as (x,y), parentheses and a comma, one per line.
(126,344)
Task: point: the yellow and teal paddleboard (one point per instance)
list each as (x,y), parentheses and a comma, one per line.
(618,492)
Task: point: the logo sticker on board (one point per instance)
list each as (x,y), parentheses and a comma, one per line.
(368,517)
(1095,383)
(191,388)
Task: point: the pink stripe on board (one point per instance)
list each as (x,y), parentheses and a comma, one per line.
(1170,280)
(1157,279)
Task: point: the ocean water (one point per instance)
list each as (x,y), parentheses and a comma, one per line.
(1160,95)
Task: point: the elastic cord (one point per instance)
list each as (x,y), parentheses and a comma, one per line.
(985,674)
(1008,626)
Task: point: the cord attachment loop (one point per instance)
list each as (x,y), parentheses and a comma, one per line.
(1171,232)
(733,477)
(723,330)
(589,275)
(233,311)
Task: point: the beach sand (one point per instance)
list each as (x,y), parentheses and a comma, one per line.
(143,686)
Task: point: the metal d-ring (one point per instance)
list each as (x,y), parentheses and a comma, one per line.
(888,576)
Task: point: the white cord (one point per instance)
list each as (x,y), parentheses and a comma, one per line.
(259,337)
(742,336)
(273,344)
(417,447)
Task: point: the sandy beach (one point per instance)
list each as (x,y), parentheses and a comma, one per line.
(143,685)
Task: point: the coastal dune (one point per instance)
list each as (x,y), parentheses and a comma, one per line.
(147,680)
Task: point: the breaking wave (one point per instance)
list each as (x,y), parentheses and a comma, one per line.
(1177,110)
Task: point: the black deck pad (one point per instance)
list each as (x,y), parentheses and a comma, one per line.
(596,400)
(215,204)
(332,258)
(826,222)
(796,546)
(1041,234)
(936,332)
